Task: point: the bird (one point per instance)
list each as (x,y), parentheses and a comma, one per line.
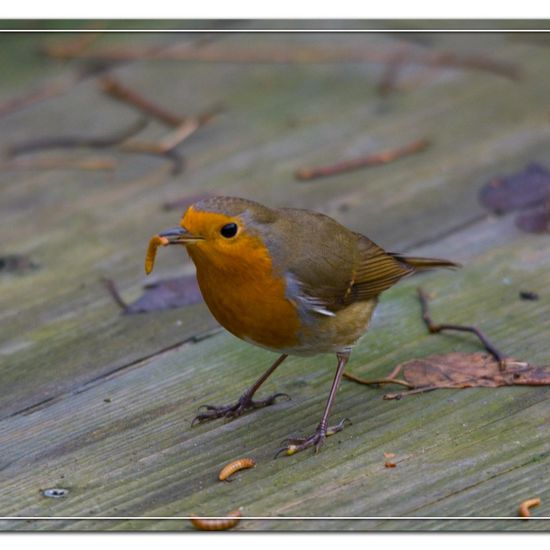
(290,280)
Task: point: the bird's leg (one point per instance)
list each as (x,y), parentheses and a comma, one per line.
(295,445)
(244,402)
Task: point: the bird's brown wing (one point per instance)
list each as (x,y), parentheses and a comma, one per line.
(376,270)
(331,267)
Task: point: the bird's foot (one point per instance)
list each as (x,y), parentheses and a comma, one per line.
(316,440)
(244,403)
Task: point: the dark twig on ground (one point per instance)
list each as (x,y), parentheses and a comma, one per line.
(167,145)
(76,141)
(72,48)
(372,159)
(60,163)
(115,294)
(120,140)
(216,53)
(435,328)
(116,89)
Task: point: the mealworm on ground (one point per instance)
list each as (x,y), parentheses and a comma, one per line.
(154,243)
(389,464)
(204,524)
(235,466)
(525,505)
(389,455)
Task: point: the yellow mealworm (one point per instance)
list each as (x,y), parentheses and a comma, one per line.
(203,524)
(235,466)
(525,505)
(154,243)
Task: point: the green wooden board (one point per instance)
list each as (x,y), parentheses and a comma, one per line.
(101,403)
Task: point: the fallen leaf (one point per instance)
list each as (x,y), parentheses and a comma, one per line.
(160,295)
(461,370)
(167,294)
(535,220)
(518,191)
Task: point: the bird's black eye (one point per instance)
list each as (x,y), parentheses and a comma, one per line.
(229,230)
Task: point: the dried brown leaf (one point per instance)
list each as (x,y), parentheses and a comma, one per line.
(518,191)
(461,370)
(535,220)
(167,294)
(160,295)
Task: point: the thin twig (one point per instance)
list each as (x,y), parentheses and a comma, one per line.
(288,54)
(115,294)
(387,83)
(146,148)
(124,93)
(71,48)
(377,381)
(167,146)
(372,159)
(180,134)
(435,328)
(475,62)
(57,163)
(72,142)
(154,149)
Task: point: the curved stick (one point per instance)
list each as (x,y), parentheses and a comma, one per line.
(435,328)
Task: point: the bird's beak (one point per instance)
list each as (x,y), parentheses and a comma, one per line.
(179,235)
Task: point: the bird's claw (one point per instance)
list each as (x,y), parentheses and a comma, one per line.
(295,445)
(269,400)
(233,411)
(207,408)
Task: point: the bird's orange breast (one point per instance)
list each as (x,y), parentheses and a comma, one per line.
(243,293)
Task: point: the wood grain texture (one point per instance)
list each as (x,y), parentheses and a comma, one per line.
(101,404)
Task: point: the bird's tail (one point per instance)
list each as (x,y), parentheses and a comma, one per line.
(423,264)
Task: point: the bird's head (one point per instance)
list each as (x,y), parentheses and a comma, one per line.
(223,231)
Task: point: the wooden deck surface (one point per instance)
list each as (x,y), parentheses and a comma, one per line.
(100,403)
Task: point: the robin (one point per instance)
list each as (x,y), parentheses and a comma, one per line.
(292,281)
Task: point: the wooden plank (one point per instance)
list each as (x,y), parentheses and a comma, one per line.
(267,152)
(462,452)
(96,408)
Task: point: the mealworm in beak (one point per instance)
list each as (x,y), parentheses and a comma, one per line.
(154,243)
